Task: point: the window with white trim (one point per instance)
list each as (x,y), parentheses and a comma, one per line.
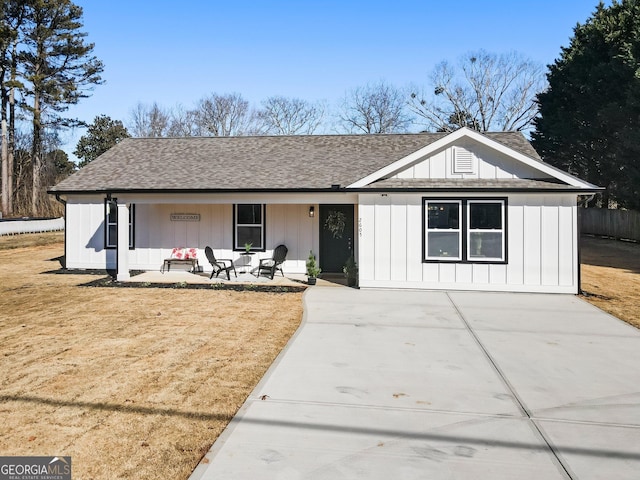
(465,230)
(248,226)
(111,224)
(486,230)
(443,234)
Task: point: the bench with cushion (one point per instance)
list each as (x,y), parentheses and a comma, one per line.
(181,256)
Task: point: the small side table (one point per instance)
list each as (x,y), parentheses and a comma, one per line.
(247,263)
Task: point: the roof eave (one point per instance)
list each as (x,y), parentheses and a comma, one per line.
(105,190)
(111,191)
(584,191)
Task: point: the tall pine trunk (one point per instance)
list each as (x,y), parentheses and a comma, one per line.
(8,135)
(4,154)
(12,122)
(13,18)
(11,145)
(36,156)
(5,162)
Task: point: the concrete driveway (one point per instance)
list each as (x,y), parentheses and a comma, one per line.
(441,385)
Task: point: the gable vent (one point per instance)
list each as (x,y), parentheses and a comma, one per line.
(463,161)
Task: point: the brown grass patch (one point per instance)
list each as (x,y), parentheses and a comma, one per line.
(31,240)
(611,277)
(131,383)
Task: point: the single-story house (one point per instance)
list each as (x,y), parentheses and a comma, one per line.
(455,211)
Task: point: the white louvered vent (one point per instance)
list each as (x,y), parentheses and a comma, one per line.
(463,161)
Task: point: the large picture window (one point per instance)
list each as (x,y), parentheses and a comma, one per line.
(248,226)
(111,224)
(465,230)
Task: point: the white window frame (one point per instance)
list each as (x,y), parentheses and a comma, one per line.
(501,231)
(113,242)
(464,237)
(236,224)
(443,230)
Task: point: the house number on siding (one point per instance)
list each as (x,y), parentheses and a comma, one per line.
(359,227)
(185,217)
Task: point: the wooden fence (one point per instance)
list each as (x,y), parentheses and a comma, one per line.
(611,223)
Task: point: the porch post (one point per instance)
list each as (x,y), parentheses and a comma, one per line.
(122,247)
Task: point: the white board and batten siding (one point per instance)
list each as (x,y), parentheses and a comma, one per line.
(469,161)
(541,230)
(156,234)
(84,238)
(541,242)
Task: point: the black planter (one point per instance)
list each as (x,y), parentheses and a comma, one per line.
(311,280)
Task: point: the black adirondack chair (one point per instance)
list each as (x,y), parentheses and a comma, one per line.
(274,263)
(219,265)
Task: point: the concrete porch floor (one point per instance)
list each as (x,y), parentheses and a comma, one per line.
(179,276)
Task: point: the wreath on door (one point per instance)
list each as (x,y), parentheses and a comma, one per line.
(335,223)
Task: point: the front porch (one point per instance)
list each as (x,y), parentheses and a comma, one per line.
(202,278)
(242,233)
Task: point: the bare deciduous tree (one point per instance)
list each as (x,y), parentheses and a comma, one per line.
(289,116)
(485,91)
(374,108)
(55,167)
(222,115)
(182,122)
(149,121)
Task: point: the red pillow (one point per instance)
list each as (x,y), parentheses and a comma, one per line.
(182,253)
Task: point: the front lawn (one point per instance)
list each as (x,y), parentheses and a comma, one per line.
(611,277)
(131,383)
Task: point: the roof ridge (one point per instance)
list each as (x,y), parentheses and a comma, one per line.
(332,135)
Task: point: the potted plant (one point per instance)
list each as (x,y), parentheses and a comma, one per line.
(312,268)
(247,247)
(350,270)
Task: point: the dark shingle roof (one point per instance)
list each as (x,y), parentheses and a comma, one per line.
(253,163)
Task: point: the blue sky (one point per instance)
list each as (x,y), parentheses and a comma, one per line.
(178,52)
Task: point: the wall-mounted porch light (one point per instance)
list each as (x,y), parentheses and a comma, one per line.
(312,211)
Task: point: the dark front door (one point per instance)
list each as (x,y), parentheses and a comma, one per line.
(336,237)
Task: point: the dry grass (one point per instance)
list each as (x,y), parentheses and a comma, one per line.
(131,383)
(611,277)
(31,240)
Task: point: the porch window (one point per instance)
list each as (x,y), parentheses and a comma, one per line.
(465,230)
(248,226)
(111,224)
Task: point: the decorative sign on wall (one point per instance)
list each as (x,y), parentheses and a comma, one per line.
(185,217)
